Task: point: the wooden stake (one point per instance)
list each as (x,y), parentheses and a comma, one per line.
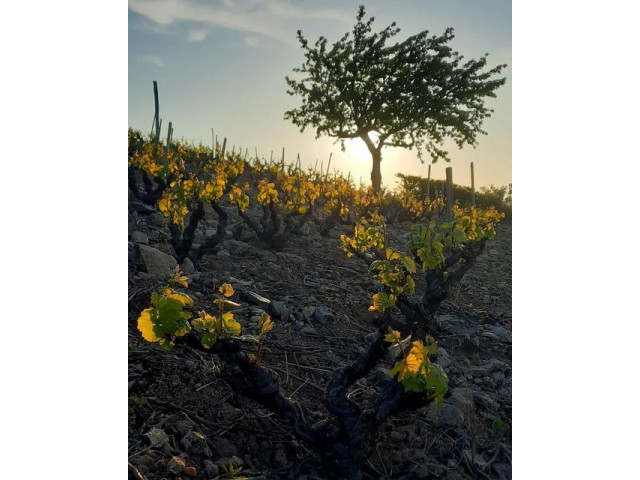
(329,164)
(169,132)
(224,145)
(157,105)
(428,181)
(449,190)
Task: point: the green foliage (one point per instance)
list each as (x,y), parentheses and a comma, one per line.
(417,372)
(414,93)
(214,327)
(167,318)
(486,197)
(232,472)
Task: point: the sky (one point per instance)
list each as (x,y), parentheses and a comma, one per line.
(222,64)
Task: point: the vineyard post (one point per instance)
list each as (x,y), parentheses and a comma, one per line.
(245,154)
(282,161)
(449,193)
(298,163)
(213,142)
(271,158)
(315,168)
(157,106)
(428,180)
(256,153)
(473,188)
(216,141)
(169,132)
(224,145)
(329,164)
(233,149)
(153,123)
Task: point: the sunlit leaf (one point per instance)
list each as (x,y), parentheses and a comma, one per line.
(229,324)
(265,324)
(409,264)
(392,336)
(226,289)
(146,326)
(391,254)
(182,298)
(412,284)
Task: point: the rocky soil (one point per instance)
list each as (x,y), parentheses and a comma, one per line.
(185,421)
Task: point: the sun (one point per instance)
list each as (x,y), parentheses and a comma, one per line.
(357,149)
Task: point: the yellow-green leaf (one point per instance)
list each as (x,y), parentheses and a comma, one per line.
(145,325)
(412,284)
(182,298)
(229,324)
(265,324)
(226,289)
(392,336)
(391,254)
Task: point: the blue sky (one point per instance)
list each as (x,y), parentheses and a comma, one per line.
(221,64)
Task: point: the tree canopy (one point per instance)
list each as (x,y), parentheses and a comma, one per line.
(411,94)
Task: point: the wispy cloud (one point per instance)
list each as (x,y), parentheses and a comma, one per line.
(197,35)
(269,18)
(147,26)
(252,41)
(153,60)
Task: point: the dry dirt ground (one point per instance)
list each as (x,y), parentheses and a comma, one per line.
(180,407)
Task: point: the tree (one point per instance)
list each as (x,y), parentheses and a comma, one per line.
(411,94)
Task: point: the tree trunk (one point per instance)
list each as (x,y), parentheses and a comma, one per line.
(376,176)
(376,154)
